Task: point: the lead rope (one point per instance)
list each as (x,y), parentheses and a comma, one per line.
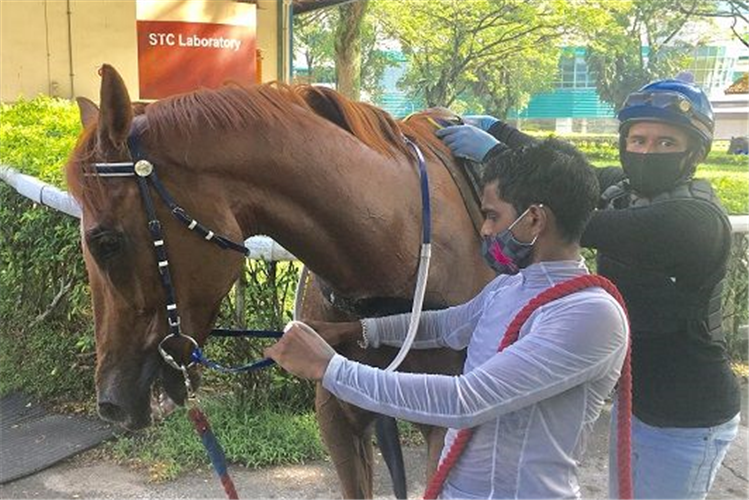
(208,438)
(213,449)
(624,413)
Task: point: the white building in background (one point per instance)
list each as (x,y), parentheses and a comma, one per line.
(718,67)
(731,115)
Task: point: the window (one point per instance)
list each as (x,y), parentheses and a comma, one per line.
(573,73)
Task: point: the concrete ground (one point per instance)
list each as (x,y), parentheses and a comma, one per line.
(87,476)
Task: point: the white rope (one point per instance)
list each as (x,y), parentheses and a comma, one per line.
(413,325)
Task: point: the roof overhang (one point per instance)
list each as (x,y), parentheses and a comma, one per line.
(303,6)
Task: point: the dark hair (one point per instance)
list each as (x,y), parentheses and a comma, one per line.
(551,172)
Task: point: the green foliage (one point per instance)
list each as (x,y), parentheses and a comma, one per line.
(736,299)
(49,361)
(732,187)
(40,255)
(639,46)
(314,42)
(485,54)
(37,135)
(249,436)
(46,341)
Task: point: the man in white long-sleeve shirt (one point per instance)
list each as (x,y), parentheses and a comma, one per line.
(532,404)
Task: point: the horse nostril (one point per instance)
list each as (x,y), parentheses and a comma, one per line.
(111,412)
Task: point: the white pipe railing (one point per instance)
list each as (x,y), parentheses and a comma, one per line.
(261,247)
(40,192)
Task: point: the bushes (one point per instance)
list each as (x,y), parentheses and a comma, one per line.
(46,341)
(37,136)
(263,300)
(736,299)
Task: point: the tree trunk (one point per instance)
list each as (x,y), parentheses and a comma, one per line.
(348,48)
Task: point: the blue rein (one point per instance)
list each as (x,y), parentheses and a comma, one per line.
(197,355)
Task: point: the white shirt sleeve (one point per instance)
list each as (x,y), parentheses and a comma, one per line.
(451,327)
(563,344)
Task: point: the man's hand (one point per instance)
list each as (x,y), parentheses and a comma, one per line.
(301,351)
(467,141)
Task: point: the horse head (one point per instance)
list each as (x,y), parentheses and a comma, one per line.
(128,298)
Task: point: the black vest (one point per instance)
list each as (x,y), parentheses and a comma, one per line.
(657,301)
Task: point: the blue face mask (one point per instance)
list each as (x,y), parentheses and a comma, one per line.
(504,253)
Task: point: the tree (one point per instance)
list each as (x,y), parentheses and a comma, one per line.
(738,10)
(323,38)
(642,44)
(313,41)
(487,52)
(348,48)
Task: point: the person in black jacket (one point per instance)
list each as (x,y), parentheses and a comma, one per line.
(664,239)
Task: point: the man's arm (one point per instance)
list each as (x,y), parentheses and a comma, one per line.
(671,234)
(451,327)
(509,135)
(574,340)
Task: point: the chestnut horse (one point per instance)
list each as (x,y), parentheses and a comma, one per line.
(329,179)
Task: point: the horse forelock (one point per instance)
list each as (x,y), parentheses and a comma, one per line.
(88,190)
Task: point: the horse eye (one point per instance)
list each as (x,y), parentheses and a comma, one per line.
(104,244)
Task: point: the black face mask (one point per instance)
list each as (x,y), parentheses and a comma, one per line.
(653,173)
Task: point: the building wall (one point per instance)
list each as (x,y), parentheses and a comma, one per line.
(55,47)
(731,116)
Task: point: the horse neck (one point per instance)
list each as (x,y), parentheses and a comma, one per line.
(352,215)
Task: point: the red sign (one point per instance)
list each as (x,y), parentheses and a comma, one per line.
(176,57)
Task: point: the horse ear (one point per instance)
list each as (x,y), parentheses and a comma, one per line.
(89,111)
(116,112)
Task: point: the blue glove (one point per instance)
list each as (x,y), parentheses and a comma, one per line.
(484,122)
(467,141)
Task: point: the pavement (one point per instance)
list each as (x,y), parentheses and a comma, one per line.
(90,476)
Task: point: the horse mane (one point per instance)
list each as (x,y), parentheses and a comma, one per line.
(370,124)
(234,106)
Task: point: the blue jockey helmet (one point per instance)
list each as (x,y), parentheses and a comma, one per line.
(675,102)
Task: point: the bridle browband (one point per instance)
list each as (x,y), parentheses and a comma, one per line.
(145,173)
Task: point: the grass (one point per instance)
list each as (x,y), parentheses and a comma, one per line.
(249,436)
(731,183)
